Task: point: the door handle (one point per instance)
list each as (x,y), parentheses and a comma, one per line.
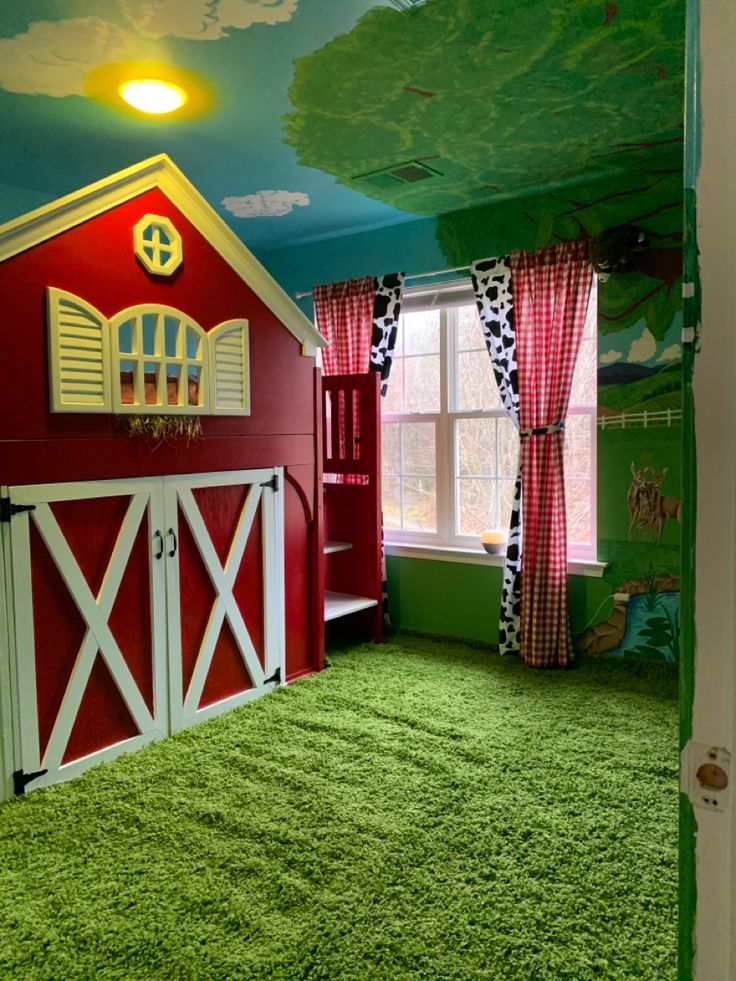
(157,534)
(172,553)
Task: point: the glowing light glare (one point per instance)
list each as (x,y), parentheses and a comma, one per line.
(152,95)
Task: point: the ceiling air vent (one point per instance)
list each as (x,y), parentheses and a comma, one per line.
(405,173)
(407,4)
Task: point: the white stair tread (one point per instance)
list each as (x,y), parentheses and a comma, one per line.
(337,547)
(340,604)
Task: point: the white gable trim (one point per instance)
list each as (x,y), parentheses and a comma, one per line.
(161,172)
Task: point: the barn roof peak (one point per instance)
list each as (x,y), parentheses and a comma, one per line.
(160,172)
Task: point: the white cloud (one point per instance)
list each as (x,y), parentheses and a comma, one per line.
(54,57)
(643,348)
(671,353)
(265,204)
(203,20)
(610,356)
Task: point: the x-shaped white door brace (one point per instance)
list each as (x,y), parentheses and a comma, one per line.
(224,605)
(95,612)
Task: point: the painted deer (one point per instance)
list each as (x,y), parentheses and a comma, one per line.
(662,507)
(637,499)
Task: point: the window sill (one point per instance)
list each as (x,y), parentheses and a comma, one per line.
(475,556)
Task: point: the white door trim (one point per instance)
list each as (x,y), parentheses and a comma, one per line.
(714,706)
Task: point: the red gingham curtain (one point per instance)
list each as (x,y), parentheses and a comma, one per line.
(344,314)
(551,294)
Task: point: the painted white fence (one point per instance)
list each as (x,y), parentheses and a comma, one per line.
(641,420)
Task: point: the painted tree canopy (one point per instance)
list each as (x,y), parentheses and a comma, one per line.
(492,98)
(650,200)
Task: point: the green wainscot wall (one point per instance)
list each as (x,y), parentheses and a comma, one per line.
(462,600)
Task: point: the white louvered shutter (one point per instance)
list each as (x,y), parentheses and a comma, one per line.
(229,375)
(79,363)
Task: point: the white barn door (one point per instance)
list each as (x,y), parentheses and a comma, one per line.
(225,590)
(88,634)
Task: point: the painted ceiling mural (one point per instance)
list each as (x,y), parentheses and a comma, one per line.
(323,118)
(462,101)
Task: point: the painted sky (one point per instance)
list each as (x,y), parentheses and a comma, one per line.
(312,95)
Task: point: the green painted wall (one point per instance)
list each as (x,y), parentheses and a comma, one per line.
(463,600)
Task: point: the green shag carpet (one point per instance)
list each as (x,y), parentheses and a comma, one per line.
(420,810)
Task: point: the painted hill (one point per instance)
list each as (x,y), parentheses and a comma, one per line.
(621,397)
(622,373)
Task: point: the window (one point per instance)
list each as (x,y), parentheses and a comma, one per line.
(449,450)
(157,245)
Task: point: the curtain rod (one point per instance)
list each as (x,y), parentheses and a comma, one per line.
(424,275)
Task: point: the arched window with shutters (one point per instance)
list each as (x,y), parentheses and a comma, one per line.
(148,359)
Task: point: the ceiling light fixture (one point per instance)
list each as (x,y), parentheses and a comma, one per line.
(152,95)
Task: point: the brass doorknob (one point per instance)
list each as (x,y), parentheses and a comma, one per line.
(712,776)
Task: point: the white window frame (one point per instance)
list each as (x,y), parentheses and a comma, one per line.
(446,298)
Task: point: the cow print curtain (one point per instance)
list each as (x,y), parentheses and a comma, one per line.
(492,284)
(386,312)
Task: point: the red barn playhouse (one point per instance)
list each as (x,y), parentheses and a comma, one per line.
(148,579)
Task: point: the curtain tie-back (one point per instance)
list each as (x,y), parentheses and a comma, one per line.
(554,427)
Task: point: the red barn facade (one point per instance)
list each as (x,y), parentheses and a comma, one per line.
(148,581)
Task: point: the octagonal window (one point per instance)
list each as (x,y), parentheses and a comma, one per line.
(157,245)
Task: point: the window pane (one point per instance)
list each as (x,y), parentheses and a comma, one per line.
(577,446)
(577,499)
(418,448)
(390,459)
(391,501)
(194,394)
(422,380)
(476,447)
(125,337)
(173,374)
(508,447)
(421,332)
(420,504)
(172,337)
(476,386)
(505,501)
(584,380)
(469,331)
(477,505)
(394,400)
(150,383)
(194,344)
(148,328)
(487,447)
(584,384)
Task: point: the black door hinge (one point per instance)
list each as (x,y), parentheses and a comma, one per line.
(21,779)
(273,483)
(276,676)
(8,509)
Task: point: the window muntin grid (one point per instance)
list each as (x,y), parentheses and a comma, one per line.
(159,358)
